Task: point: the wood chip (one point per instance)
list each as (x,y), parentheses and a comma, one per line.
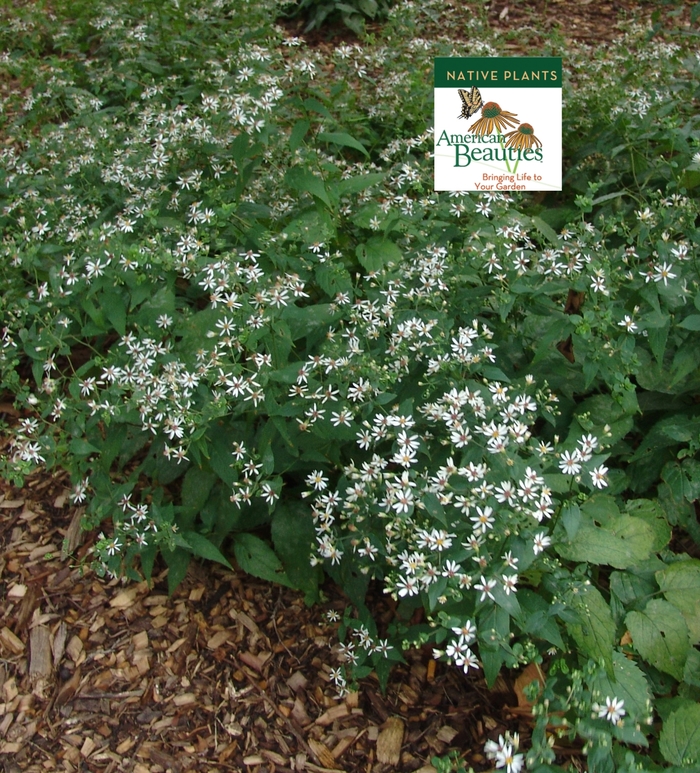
(446,734)
(88,747)
(323,754)
(75,648)
(185,699)
(10,642)
(67,691)
(75,534)
(219,638)
(40,660)
(124,599)
(17,591)
(330,716)
(389,741)
(58,647)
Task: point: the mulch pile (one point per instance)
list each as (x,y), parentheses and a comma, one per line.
(228,674)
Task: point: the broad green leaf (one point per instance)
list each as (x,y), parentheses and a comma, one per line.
(571,519)
(546,230)
(204,548)
(303,321)
(660,636)
(679,741)
(600,508)
(651,513)
(680,584)
(293,536)
(305,181)
(632,590)
(115,310)
(257,558)
(298,133)
(377,253)
(178,560)
(624,541)
(539,620)
(691,322)
(627,683)
(196,486)
(342,138)
(595,633)
(359,183)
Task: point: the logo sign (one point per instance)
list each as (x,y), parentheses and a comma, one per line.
(498,123)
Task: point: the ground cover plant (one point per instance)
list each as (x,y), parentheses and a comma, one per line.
(236,311)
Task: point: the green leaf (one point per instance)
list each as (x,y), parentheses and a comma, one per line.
(653,514)
(303,321)
(623,542)
(204,548)
(342,138)
(546,230)
(115,310)
(298,133)
(377,253)
(178,560)
(680,584)
(293,536)
(433,507)
(660,636)
(628,683)
(81,447)
(196,486)
(595,633)
(539,620)
(691,322)
(305,181)
(679,741)
(257,558)
(359,183)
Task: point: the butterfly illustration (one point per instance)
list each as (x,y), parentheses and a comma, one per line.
(471,102)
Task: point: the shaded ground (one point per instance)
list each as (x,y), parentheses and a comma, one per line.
(229,674)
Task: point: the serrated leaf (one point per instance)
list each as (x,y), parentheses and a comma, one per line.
(660,636)
(651,513)
(679,741)
(595,631)
(257,558)
(204,548)
(623,542)
(627,683)
(376,253)
(680,584)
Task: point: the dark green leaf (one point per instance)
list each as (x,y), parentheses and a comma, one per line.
(257,558)
(342,138)
(679,741)
(660,635)
(204,548)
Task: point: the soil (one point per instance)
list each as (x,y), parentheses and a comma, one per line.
(230,673)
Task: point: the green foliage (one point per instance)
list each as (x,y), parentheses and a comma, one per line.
(237,313)
(353,13)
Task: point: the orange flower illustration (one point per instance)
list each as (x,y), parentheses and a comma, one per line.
(523,138)
(492,117)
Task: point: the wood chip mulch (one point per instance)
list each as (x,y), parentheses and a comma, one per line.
(229,674)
